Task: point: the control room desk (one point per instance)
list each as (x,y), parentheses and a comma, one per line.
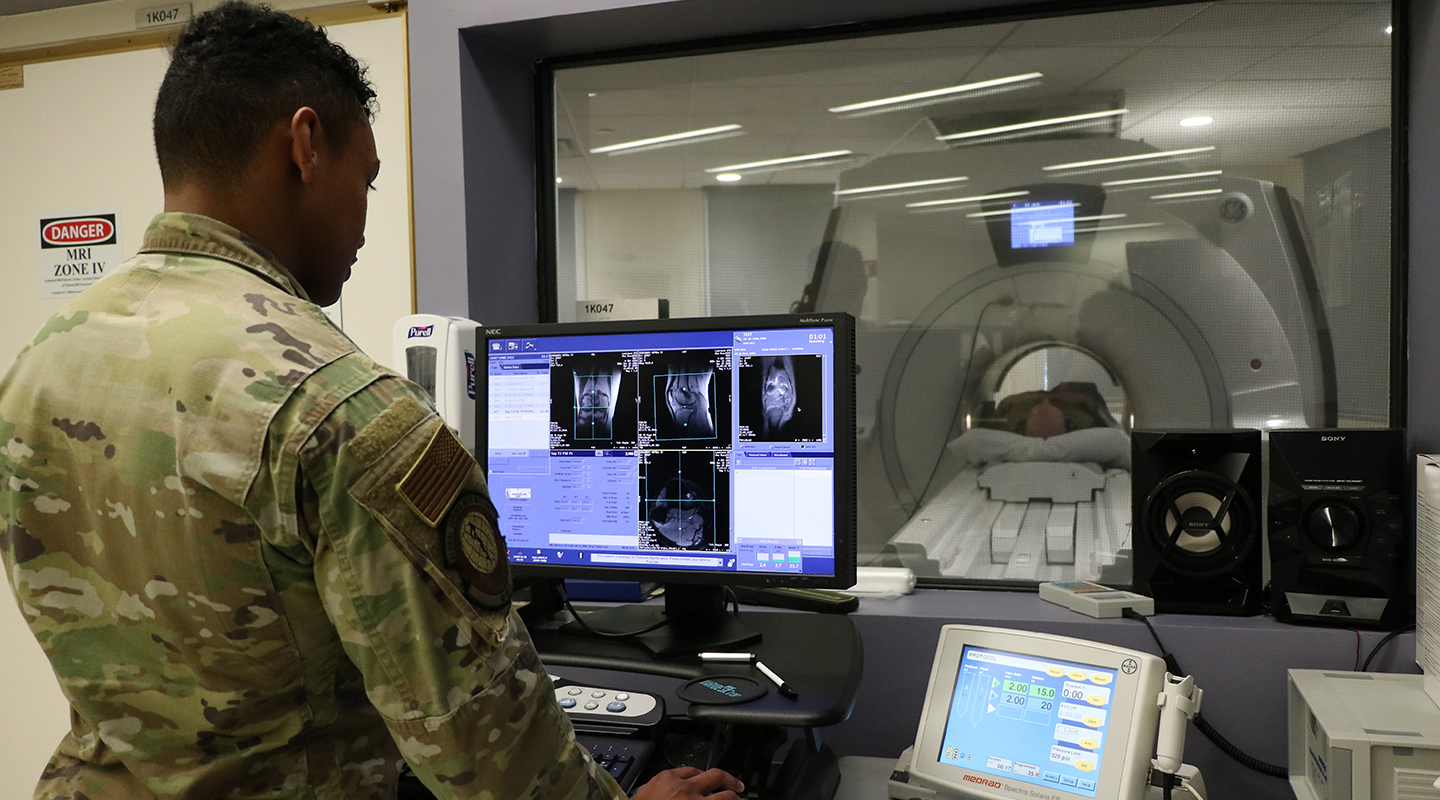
(819,655)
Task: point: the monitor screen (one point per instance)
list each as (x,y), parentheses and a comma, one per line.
(710,450)
(1033,719)
(1042,224)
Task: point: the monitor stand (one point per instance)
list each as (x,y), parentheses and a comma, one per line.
(697,621)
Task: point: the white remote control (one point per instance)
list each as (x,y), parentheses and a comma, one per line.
(599,703)
(1095,600)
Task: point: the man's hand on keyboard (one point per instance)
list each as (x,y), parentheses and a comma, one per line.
(683,783)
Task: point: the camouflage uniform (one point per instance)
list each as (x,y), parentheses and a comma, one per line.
(248,551)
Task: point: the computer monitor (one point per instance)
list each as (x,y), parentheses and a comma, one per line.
(1020,714)
(695,453)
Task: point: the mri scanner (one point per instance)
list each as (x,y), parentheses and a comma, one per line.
(1184,293)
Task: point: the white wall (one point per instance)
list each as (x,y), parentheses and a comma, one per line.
(77,137)
(644,243)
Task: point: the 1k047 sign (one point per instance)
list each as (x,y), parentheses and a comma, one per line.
(76,251)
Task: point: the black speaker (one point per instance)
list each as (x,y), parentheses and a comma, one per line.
(1339,545)
(1196,531)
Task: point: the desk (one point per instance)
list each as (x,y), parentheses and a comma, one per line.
(820,655)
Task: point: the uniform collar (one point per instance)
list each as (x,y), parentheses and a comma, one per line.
(195,234)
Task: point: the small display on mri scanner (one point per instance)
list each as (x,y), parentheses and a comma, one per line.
(1042,224)
(1034,720)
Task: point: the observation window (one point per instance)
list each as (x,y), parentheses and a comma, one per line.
(1166,217)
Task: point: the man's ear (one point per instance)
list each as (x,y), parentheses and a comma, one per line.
(304,137)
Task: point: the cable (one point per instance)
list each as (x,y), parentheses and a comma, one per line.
(1374,651)
(565,598)
(1244,759)
(1356,668)
(960,399)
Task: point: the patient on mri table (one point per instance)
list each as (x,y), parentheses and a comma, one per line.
(1070,406)
(1067,423)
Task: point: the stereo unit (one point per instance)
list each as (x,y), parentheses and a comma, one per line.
(1339,547)
(1196,531)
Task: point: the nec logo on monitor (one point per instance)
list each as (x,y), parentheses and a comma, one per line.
(420,332)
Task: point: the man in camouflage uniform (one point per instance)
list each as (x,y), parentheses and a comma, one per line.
(260,564)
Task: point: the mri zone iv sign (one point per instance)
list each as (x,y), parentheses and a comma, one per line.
(76,251)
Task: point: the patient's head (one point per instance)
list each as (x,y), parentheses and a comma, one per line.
(1070,406)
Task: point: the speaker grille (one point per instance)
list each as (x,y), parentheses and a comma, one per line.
(1200,523)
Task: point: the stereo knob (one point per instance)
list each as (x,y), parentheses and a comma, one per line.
(1333,525)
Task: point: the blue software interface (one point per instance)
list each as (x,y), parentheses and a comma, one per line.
(1042,224)
(1035,720)
(695,450)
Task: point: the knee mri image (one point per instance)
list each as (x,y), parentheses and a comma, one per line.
(592,402)
(781,398)
(684,502)
(686,400)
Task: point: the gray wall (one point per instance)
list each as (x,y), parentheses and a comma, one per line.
(472,105)
(763,241)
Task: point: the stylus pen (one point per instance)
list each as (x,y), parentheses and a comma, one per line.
(779,681)
(742,658)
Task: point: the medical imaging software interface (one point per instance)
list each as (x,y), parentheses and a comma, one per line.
(693,450)
(1031,719)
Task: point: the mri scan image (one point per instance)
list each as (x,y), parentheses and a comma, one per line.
(683,502)
(781,398)
(592,402)
(688,400)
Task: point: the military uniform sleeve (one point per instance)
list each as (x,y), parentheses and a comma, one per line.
(413,574)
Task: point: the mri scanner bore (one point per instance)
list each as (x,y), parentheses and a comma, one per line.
(1039,319)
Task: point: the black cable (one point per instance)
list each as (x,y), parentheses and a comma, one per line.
(960,400)
(1389,637)
(1244,759)
(565,598)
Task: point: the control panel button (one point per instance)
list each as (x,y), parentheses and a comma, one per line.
(622,697)
(1333,524)
(597,693)
(591,705)
(616,707)
(567,702)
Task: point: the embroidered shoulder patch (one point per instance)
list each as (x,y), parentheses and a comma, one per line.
(435,479)
(473,544)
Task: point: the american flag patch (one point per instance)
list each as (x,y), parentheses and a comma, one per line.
(436,478)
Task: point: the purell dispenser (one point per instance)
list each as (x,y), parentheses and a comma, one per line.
(439,354)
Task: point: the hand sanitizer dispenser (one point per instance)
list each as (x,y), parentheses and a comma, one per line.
(439,354)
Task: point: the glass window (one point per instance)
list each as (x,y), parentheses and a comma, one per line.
(1052,231)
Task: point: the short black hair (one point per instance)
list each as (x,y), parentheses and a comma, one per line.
(234,72)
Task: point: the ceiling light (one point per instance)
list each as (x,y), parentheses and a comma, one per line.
(728,177)
(907,185)
(1125,159)
(559,180)
(1095,218)
(1195,122)
(1177,195)
(907,98)
(790,160)
(1039,123)
(979,198)
(1007,212)
(672,137)
(1389,28)
(1162,178)
(590,94)
(1119,227)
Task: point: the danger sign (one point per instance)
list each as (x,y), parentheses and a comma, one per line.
(76,251)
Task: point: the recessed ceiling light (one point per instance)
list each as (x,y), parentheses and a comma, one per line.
(1195,122)
(559,180)
(1389,28)
(1163,178)
(770,162)
(591,94)
(1125,159)
(908,98)
(1039,123)
(979,198)
(1177,195)
(728,177)
(669,137)
(906,185)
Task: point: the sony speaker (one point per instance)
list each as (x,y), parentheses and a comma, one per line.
(1339,545)
(1196,532)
